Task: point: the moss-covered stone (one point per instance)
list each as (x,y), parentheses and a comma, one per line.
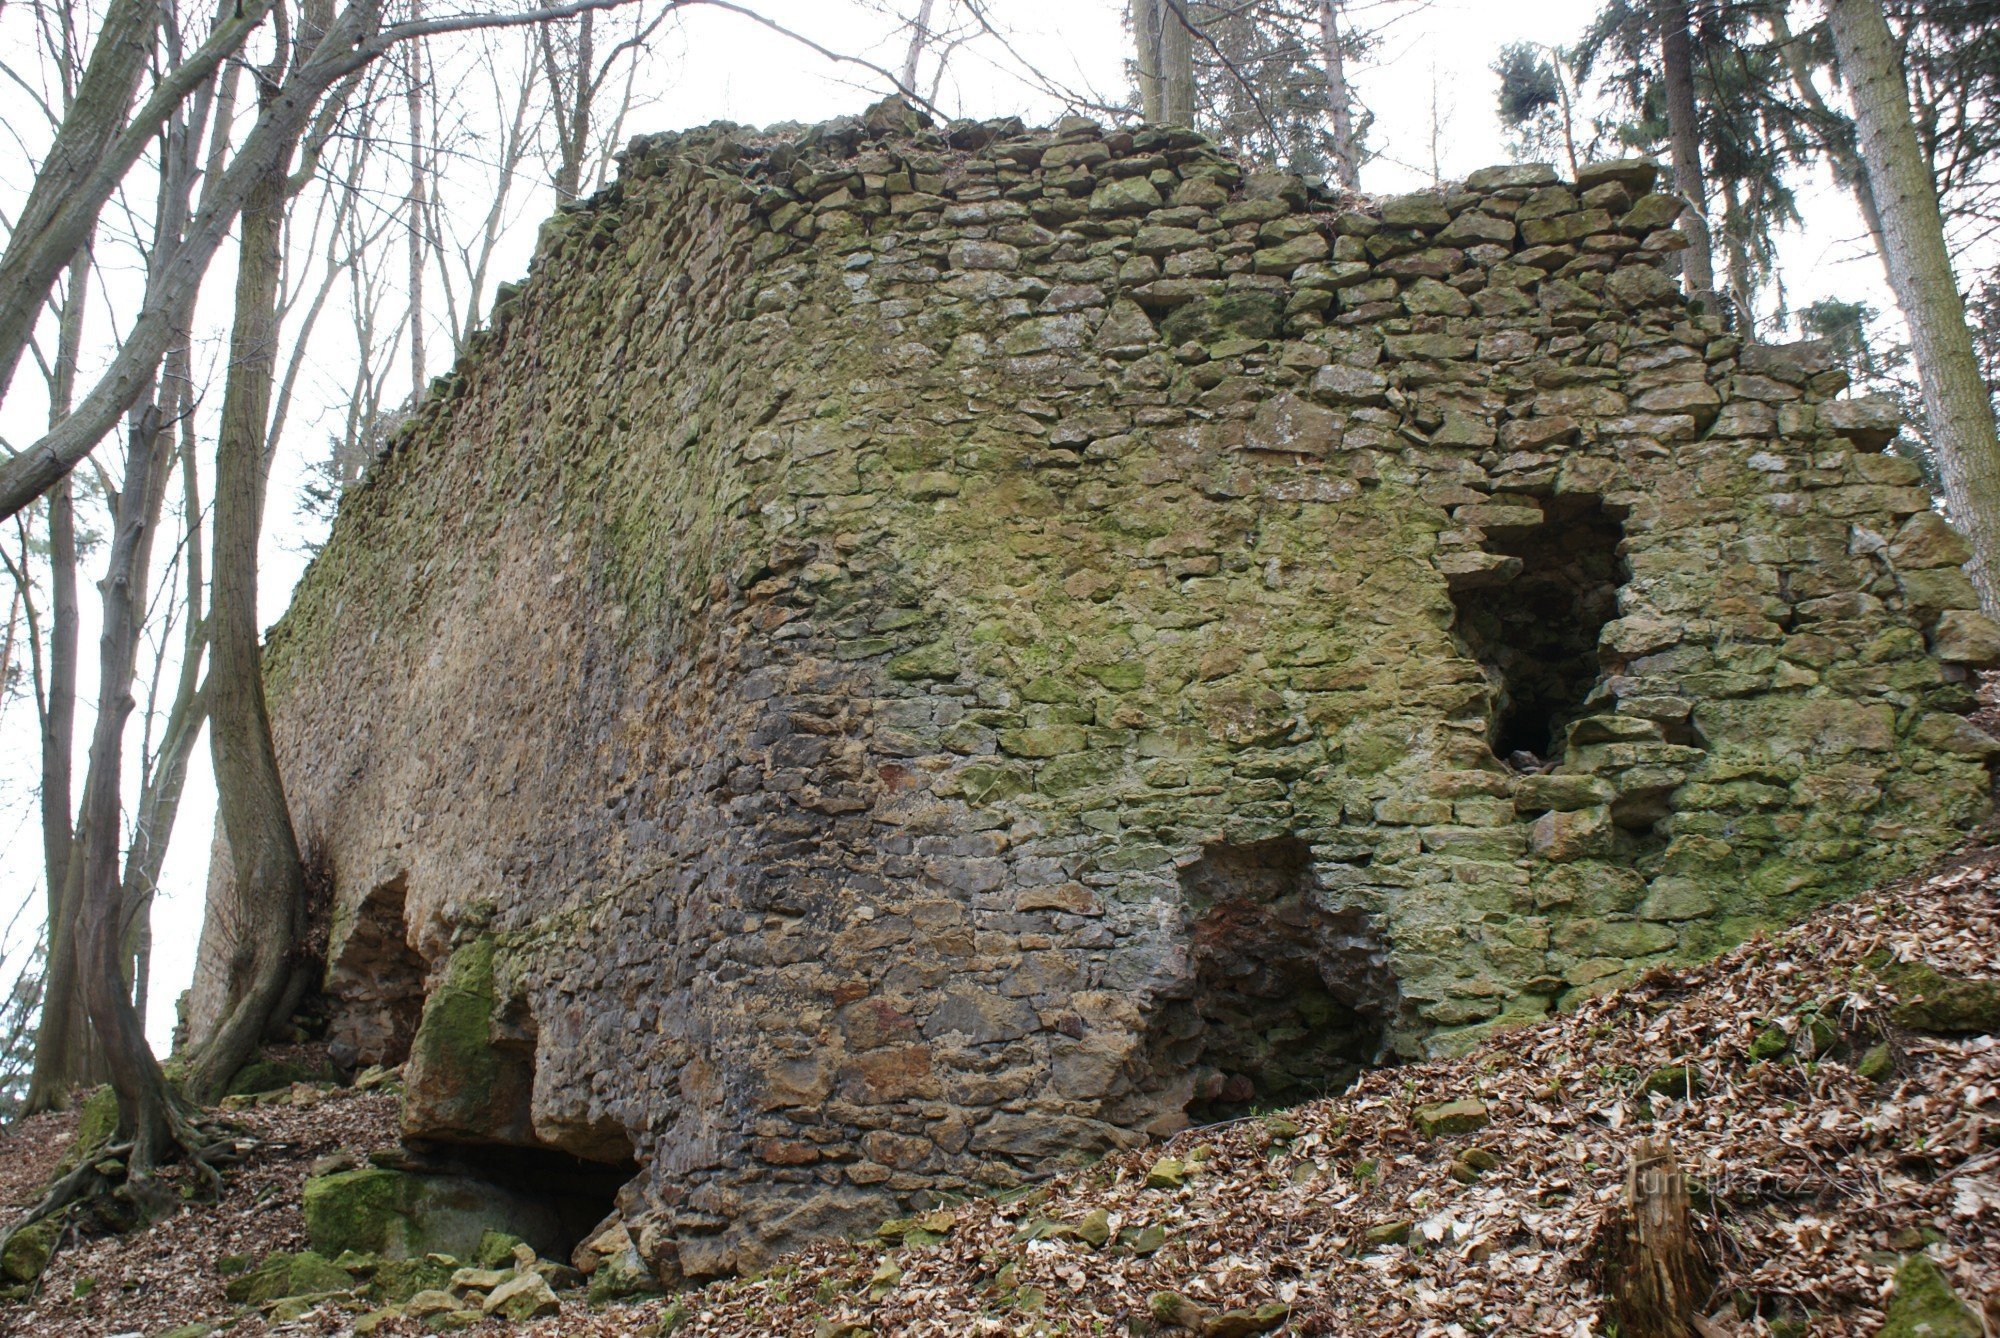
(306,1273)
(1923,1305)
(460,1084)
(401,1215)
(495,1249)
(400,1279)
(267,1075)
(1246,1321)
(1934,1002)
(27,1251)
(619,1279)
(96,1123)
(1446,1118)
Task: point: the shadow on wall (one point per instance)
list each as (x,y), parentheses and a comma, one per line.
(1285,1001)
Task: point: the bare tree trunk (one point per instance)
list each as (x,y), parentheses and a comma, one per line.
(264,894)
(413,103)
(166,779)
(1146,36)
(1684,135)
(572,86)
(144,1115)
(1176,63)
(1742,280)
(1346,153)
(94,147)
(1956,402)
(1565,79)
(1847,164)
(62,1041)
(920,34)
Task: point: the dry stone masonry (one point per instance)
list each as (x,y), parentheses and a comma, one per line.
(906,658)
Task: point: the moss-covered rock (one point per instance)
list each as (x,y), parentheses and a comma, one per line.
(402,1215)
(267,1075)
(1932,1001)
(400,1279)
(1451,1117)
(620,1278)
(1924,1305)
(96,1122)
(460,1084)
(27,1252)
(307,1273)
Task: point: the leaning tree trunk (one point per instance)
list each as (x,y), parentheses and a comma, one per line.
(1956,402)
(261,917)
(1684,135)
(1346,153)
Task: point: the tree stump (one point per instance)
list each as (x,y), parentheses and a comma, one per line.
(1651,1267)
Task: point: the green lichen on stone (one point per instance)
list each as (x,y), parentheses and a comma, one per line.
(992,557)
(96,1123)
(495,1249)
(399,1279)
(1923,1305)
(619,1279)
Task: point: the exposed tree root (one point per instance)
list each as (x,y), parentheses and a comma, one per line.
(121,1173)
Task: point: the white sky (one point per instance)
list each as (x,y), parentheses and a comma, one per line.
(717,66)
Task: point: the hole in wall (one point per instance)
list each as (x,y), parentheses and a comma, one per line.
(548,1197)
(1536,634)
(1286,1000)
(375,986)
(470,1113)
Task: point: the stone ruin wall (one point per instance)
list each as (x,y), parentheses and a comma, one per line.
(903,660)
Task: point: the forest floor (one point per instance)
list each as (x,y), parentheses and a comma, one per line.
(1828,1139)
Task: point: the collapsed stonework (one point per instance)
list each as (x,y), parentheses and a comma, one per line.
(906,658)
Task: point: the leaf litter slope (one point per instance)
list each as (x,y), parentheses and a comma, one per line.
(1812,1178)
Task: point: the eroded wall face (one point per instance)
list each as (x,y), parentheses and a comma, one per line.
(899,664)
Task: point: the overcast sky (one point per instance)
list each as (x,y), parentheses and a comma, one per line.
(1432,71)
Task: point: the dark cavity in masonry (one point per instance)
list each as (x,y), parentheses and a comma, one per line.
(376,983)
(1286,999)
(1536,631)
